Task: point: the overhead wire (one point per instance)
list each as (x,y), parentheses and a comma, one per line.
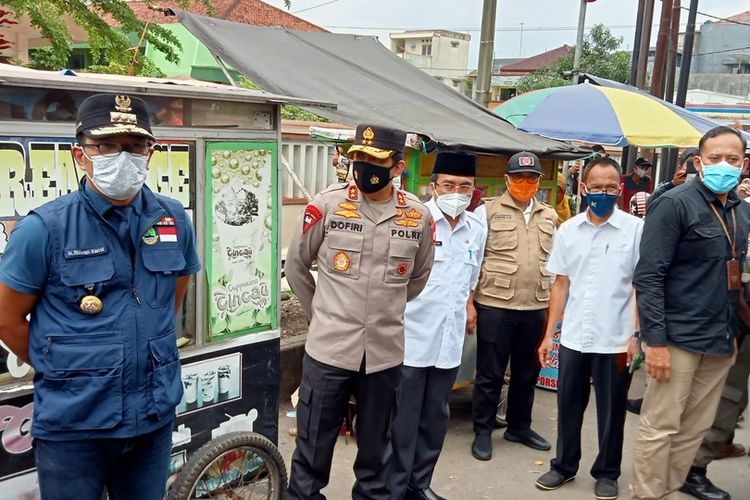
(314,6)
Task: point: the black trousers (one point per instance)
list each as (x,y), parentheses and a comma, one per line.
(324,395)
(420,426)
(504,334)
(610,379)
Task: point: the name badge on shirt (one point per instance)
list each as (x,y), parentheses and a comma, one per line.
(77,253)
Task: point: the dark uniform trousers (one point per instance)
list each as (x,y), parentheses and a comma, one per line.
(732,404)
(420,426)
(504,334)
(323,400)
(610,379)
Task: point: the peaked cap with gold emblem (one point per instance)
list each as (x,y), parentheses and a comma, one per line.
(379,142)
(105,115)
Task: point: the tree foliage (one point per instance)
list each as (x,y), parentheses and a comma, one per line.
(106,42)
(600,56)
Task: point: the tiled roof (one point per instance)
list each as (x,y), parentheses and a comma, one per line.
(533,63)
(239,11)
(743,17)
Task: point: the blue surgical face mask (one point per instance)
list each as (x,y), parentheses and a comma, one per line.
(721,178)
(602,204)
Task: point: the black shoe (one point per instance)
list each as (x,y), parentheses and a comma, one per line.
(529,438)
(426,494)
(481,449)
(605,489)
(634,405)
(551,480)
(699,486)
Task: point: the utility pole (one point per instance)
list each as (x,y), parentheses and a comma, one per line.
(657,80)
(520,45)
(672,55)
(687,54)
(671,161)
(645,45)
(579,43)
(629,153)
(662,45)
(486,51)
(637,43)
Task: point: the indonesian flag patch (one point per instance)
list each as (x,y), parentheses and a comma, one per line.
(167,234)
(312,216)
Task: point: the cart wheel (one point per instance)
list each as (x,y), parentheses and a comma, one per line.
(234,466)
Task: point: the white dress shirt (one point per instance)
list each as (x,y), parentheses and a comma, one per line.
(435,322)
(599,261)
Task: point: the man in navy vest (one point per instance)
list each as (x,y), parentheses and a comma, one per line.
(101,272)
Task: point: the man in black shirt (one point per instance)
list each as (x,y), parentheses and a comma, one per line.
(688,290)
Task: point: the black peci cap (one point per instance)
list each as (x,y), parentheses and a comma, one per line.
(379,142)
(105,115)
(461,164)
(524,162)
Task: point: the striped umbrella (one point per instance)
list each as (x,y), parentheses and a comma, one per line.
(604,115)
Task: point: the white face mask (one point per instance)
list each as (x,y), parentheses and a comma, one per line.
(452,204)
(119,177)
(641,172)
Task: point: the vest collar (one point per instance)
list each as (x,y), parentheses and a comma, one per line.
(102,205)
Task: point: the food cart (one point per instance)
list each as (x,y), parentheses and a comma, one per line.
(217,153)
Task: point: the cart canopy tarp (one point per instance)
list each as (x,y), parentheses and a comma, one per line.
(367,81)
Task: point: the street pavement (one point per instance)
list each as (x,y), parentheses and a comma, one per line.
(514,467)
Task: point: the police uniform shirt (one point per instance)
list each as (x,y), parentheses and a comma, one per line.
(369,266)
(25,264)
(435,322)
(600,263)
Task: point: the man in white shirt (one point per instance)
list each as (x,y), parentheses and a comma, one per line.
(435,323)
(594,255)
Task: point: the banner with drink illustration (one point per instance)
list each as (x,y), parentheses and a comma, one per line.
(241,253)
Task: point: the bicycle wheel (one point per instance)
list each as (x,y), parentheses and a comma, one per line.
(235,466)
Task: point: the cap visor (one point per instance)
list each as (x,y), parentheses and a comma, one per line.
(525,171)
(380,154)
(109,131)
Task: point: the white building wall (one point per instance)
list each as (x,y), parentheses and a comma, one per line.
(311,162)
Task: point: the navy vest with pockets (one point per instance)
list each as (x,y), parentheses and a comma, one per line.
(117,373)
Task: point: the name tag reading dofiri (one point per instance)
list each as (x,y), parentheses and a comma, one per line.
(733,274)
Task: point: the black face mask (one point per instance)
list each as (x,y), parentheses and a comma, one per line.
(370,178)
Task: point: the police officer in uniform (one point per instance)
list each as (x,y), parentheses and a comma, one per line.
(373,246)
(512,298)
(101,271)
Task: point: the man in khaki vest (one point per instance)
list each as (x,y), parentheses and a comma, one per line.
(511,301)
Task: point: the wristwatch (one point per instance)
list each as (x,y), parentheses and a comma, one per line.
(637,334)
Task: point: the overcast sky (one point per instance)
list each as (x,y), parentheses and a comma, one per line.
(546,23)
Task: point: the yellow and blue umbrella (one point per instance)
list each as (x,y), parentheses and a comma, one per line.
(604,115)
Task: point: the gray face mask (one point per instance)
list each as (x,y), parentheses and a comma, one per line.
(119,177)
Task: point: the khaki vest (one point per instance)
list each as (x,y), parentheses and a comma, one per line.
(514,274)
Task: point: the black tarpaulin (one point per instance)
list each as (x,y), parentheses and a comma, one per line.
(367,82)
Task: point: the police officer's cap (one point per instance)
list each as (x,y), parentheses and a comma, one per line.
(450,163)
(524,162)
(105,115)
(378,142)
